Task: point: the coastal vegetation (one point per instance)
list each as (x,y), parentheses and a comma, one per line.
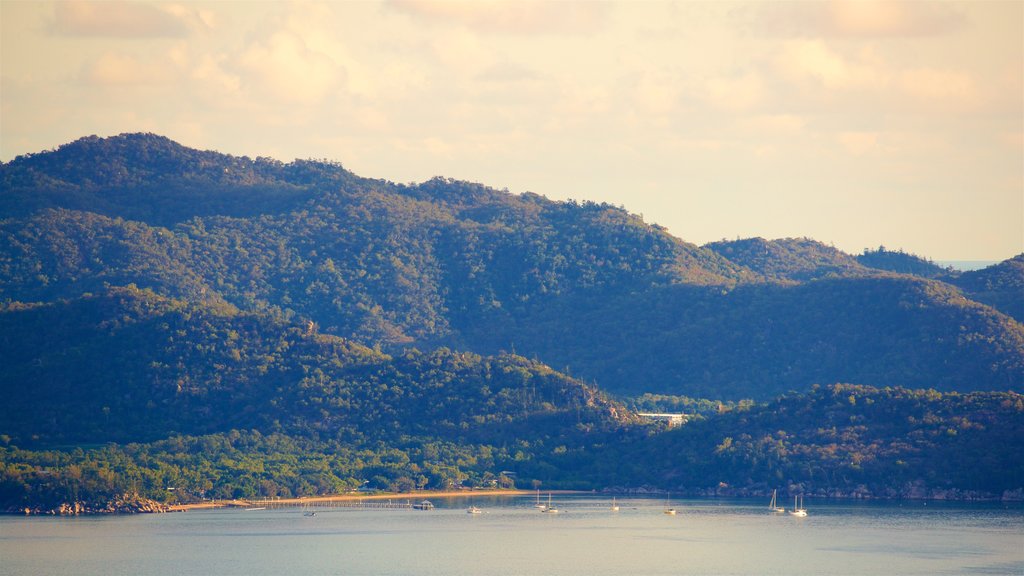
(181,324)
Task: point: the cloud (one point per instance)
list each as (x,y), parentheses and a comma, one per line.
(116,69)
(888,18)
(735,93)
(507,73)
(858,143)
(519,17)
(801,60)
(773,123)
(283,67)
(936,85)
(121,19)
(854,19)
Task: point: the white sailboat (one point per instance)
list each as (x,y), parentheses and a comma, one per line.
(550,508)
(773,505)
(669,510)
(798,509)
(615,507)
(539,505)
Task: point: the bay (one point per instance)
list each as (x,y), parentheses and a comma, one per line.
(511,537)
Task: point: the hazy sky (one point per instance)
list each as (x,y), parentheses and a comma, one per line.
(856,123)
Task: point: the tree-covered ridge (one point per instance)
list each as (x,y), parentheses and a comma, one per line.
(762,340)
(457,264)
(1000,286)
(131,160)
(838,440)
(795,259)
(903,263)
(128,365)
(253,328)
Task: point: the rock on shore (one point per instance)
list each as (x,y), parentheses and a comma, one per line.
(122,504)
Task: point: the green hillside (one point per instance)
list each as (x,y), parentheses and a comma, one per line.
(242,328)
(839,441)
(761,340)
(796,259)
(1000,286)
(903,263)
(128,365)
(456,264)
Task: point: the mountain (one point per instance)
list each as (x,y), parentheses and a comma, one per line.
(900,261)
(796,259)
(761,340)
(590,287)
(1000,286)
(129,365)
(835,441)
(241,328)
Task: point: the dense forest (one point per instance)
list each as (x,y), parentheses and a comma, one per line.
(837,441)
(230,325)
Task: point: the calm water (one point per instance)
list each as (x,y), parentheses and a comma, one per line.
(511,537)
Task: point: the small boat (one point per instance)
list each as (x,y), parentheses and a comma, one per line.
(773,506)
(668,509)
(539,505)
(256,508)
(474,510)
(615,507)
(798,509)
(550,508)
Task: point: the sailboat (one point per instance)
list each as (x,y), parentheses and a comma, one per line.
(668,510)
(615,507)
(798,509)
(550,508)
(539,505)
(773,505)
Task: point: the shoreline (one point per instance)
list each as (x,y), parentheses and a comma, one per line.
(240,503)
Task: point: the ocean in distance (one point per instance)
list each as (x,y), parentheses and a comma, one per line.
(511,537)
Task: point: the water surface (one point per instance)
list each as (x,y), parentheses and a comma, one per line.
(511,537)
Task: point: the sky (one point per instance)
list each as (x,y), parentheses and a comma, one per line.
(858,124)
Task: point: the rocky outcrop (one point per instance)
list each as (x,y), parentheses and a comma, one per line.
(121,504)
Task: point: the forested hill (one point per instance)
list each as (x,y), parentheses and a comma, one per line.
(794,259)
(1000,286)
(252,328)
(584,286)
(129,365)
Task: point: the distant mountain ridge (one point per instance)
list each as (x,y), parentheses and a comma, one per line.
(251,328)
(590,287)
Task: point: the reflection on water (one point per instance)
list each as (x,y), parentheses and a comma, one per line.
(511,537)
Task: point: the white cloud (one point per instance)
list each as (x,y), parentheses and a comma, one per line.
(519,17)
(853,19)
(285,69)
(735,93)
(802,60)
(118,69)
(945,86)
(893,18)
(773,123)
(858,143)
(119,19)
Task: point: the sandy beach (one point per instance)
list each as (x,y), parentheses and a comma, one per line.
(276,502)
